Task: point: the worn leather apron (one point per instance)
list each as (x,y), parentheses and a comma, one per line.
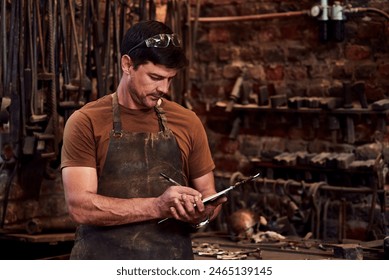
(132,169)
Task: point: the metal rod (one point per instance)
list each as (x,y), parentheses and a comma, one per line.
(251,17)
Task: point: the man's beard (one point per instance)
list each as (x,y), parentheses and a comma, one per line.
(144,101)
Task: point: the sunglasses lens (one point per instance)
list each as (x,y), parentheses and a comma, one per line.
(175,40)
(162,41)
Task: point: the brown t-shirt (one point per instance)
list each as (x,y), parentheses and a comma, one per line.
(86,134)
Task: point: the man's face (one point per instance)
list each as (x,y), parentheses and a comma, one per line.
(148,83)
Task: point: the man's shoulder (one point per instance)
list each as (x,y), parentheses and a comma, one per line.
(172,107)
(98,104)
(181,118)
(96,110)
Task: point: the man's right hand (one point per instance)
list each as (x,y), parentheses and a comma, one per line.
(180,202)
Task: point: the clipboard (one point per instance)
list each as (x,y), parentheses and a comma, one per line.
(215,196)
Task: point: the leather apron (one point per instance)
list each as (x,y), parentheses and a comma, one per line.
(132,170)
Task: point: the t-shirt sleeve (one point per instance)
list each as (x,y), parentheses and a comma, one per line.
(200,160)
(78,142)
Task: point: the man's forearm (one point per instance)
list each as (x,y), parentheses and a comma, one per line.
(108,211)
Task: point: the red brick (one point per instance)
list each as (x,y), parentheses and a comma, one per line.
(219,35)
(211,89)
(374,93)
(206,54)
(290,32)
(275,73)
(369,30)
(267,35)
(229,146)
(341,70)
(297,73)
(224,54)
(383,70)
(218,2)
(230,71)
(357,52)
(257,72)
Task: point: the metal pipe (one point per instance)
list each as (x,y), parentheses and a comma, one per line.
(280,15)
(323,186)
(250,17)
(361,10)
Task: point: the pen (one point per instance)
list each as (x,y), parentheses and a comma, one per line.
(173,182)
(169,179)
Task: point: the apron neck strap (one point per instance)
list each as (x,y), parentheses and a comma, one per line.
(162,120)
(117,124)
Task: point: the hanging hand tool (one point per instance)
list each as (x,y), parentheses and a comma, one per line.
(31,53)
(142,10)
(10,47)
(349,133)
(43,75)
(263,95)
(235,128)
(14,82)
(359,89)
(350,130)
(152,10)
(53,130)
(29,78)
(3,48)
(347,95)
(15,101)
(334,127)
(98,41)
(65,47)
(235,94)
(106,49)
(247,89)
(187,33)
(123,20)
(116,43)
(77,46)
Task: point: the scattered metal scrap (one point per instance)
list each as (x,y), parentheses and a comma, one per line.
(214,250)
(267,236)
(219,246)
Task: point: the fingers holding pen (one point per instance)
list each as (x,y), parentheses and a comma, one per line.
(192,204)
(182,199)
(188,205)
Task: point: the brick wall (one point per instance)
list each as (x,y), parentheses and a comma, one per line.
(286,56)
(287,51)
